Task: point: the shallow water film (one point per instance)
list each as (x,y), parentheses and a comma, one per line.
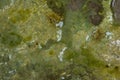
(59,40)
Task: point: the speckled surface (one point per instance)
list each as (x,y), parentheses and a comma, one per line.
(59,40)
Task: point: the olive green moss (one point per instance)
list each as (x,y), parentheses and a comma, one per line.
(57,6)
(90,58)
(20,15)
(28,46)
(70,54)
(4,3)
(10,39)
(83,63)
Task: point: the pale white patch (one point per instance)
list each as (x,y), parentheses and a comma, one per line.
(12,71)
(60,56)
(116,43)
(12,2)
(1,63)
(109,17)
(21,48)
(60,24)
(68,75)
(107,58)
(62,78)
(8,17)
(87,38)
(114,78)
(10,56)
(59,35)
(39,46)
(5,63)
(109,35)
(64,73)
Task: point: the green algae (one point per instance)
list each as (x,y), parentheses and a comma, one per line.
(70,54)
(31,41)
(11,39)
(4,3)
(90,58)
(57,6)
(20,15)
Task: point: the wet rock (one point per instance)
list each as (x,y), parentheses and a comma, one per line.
(96,19)
(95,8)
(115,6)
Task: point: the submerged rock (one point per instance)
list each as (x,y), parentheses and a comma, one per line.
(96,19)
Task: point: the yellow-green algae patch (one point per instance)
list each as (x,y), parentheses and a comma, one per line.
(29,49)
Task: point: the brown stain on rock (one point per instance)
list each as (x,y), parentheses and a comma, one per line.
(98,35)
